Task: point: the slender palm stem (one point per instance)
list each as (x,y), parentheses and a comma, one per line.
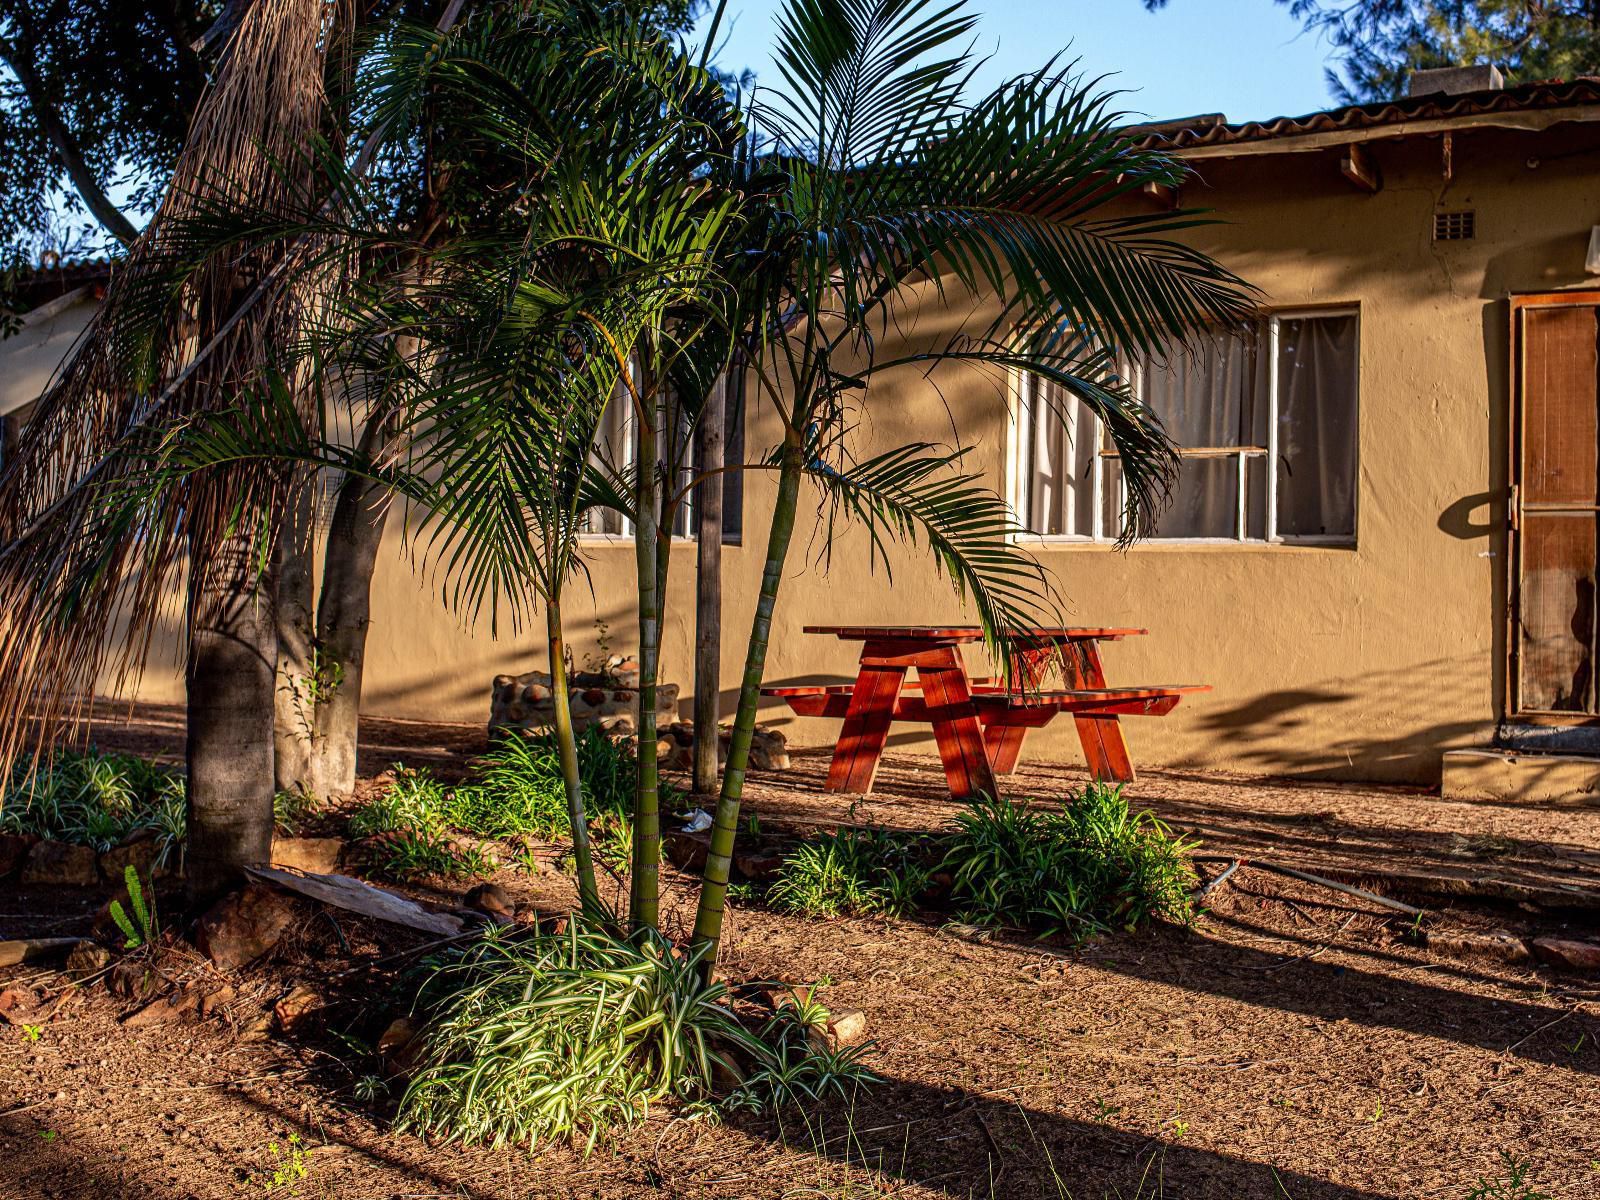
(724,831)
(644,910)
(567,748)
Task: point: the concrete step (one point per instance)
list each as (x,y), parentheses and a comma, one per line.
(1518,777)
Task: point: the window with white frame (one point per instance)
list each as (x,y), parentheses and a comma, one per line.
(617,444)
(1265,423)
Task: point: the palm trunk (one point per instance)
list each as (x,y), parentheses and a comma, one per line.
(725,829)
(567,749)
(708,594)
(645,900)
(343,615)
(294,697)
(231,672)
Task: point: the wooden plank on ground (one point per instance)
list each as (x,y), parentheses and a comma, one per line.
(353,895)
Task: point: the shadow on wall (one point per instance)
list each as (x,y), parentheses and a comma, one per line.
(1264,732)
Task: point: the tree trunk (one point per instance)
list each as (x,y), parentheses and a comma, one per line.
(567,747)
(294,699)
(708,593)
(343,615)
(231,672)
(725,828)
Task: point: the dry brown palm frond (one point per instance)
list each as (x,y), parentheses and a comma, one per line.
(89,562)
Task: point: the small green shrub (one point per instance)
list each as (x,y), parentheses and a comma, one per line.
(142,928)
(520,787)
(573,1035)
(566,1036)
(415,802)
(1510,1184)
(1088,866)
(93,799)
(853,871)
(290,810)
(407,854)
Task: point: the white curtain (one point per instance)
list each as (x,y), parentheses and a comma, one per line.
(1207,397)
(1058,437)
(1317,379)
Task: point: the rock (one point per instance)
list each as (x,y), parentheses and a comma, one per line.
(318,856)
(551,923)
(769,750)
(298,1009)
(62,864)
(15,1005)
(401,1047)
(164,1009)
(848,1027)
(213,1003)
(14,850)
(686,851)
(133,980)
(240,928)
(493,901)
(1499,945)
(87,959)
(608,699)
(758,864)
(32,949)
(1564,952)
(140,854)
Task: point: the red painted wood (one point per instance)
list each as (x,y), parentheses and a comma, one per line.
(999,706)
(866,728)
(971,633)
(1004,743)
(956,728)
(1105,749)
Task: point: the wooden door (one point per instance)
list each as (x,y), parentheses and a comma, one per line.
(1555,508)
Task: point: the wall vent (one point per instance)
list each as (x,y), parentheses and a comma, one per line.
(1454,226)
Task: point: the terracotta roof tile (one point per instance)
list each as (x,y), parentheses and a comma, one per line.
(1213,130)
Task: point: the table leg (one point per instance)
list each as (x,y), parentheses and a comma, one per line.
(1004,743)
(1104,746)
(955,724)
(866,729)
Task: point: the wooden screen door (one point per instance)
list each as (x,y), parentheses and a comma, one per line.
(1555,507)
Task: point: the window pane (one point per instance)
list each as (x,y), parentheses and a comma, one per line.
(1205,502)
(1210,394)
(1318,367)
(1556,616)
(1057,438)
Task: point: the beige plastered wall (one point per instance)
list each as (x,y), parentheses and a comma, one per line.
(1362,663)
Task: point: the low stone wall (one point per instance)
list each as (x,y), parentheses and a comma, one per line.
(524,702)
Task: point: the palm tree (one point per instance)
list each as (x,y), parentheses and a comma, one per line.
(874,177)
(86,576)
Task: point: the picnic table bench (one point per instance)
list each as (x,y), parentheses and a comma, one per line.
(979,724)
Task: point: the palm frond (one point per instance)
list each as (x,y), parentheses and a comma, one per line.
(914,495)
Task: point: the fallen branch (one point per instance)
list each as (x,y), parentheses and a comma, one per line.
(1321,881)
(363,899)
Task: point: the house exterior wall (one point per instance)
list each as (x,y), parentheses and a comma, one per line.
(1363,662)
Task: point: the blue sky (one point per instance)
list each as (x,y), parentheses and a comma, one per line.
(1246,58)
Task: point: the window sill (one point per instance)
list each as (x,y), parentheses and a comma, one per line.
(1040,542)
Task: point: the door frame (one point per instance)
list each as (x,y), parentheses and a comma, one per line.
(1514,711)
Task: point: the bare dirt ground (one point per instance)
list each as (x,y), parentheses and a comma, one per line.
(1295,1043)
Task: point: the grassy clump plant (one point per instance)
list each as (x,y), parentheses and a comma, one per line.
(535,1038)
(1089,866)
(95,799)
(851,872)
(410,830)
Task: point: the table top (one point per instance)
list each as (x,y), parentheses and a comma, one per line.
(970,633)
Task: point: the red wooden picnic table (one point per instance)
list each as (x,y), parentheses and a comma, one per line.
(979,724)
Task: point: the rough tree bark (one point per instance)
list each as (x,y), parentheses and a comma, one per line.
(293,701)
(230,676)
(344,611)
